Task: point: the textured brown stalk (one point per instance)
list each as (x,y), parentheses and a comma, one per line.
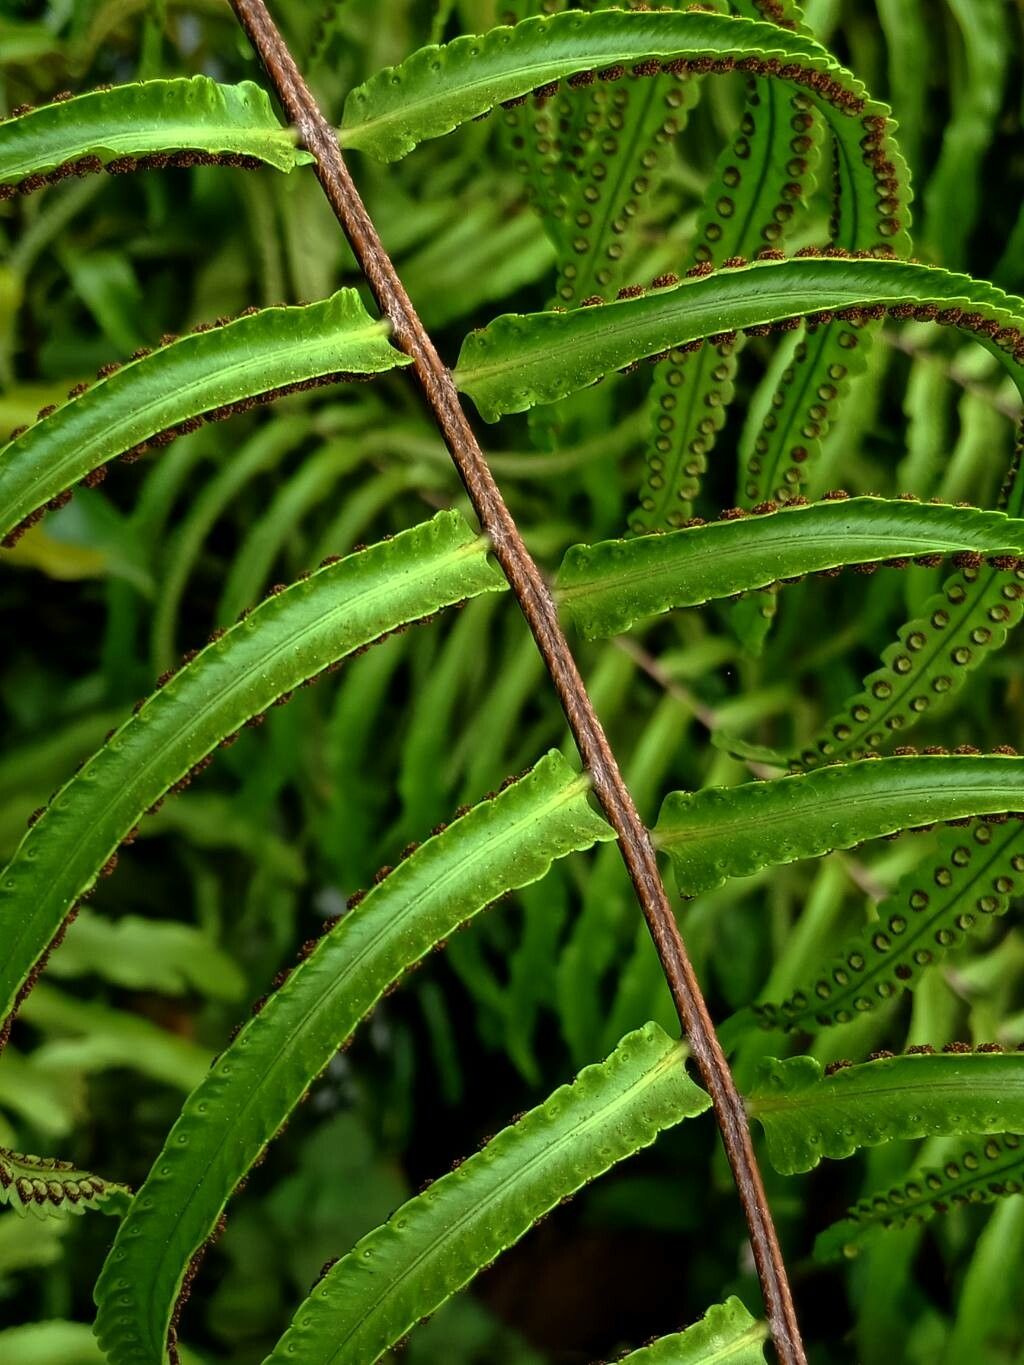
(526,581)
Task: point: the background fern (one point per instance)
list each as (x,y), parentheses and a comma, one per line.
(105,593)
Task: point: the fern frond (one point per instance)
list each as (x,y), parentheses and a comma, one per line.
(758,185)
(958,630)
(751,204)
(780,454)
(437,1242)
(518,361)
(751,618)
(437,89)
(503,844)
(724,832)
(534,139)
(208,375)
(977,103)
(807,1115)
(762,180)
(143,126)
(980,1171)
(605,588)
(623,155)
(687,408)
(50,1188)
(726,1335)
(971,878)
(594,158)
(292,638)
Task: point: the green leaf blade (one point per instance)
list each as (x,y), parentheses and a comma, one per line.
(502,844)
(625,152)
(687,408)
(435,1243)
(519,361)
(807,1115)
(207,372)
(726,1335)
(781,454)
(605,588)
(758,188)
(438,89)
(146,119)
(724,832)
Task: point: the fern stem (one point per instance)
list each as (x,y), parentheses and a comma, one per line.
(537,604)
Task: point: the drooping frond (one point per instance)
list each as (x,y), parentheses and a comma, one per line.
(438,88)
